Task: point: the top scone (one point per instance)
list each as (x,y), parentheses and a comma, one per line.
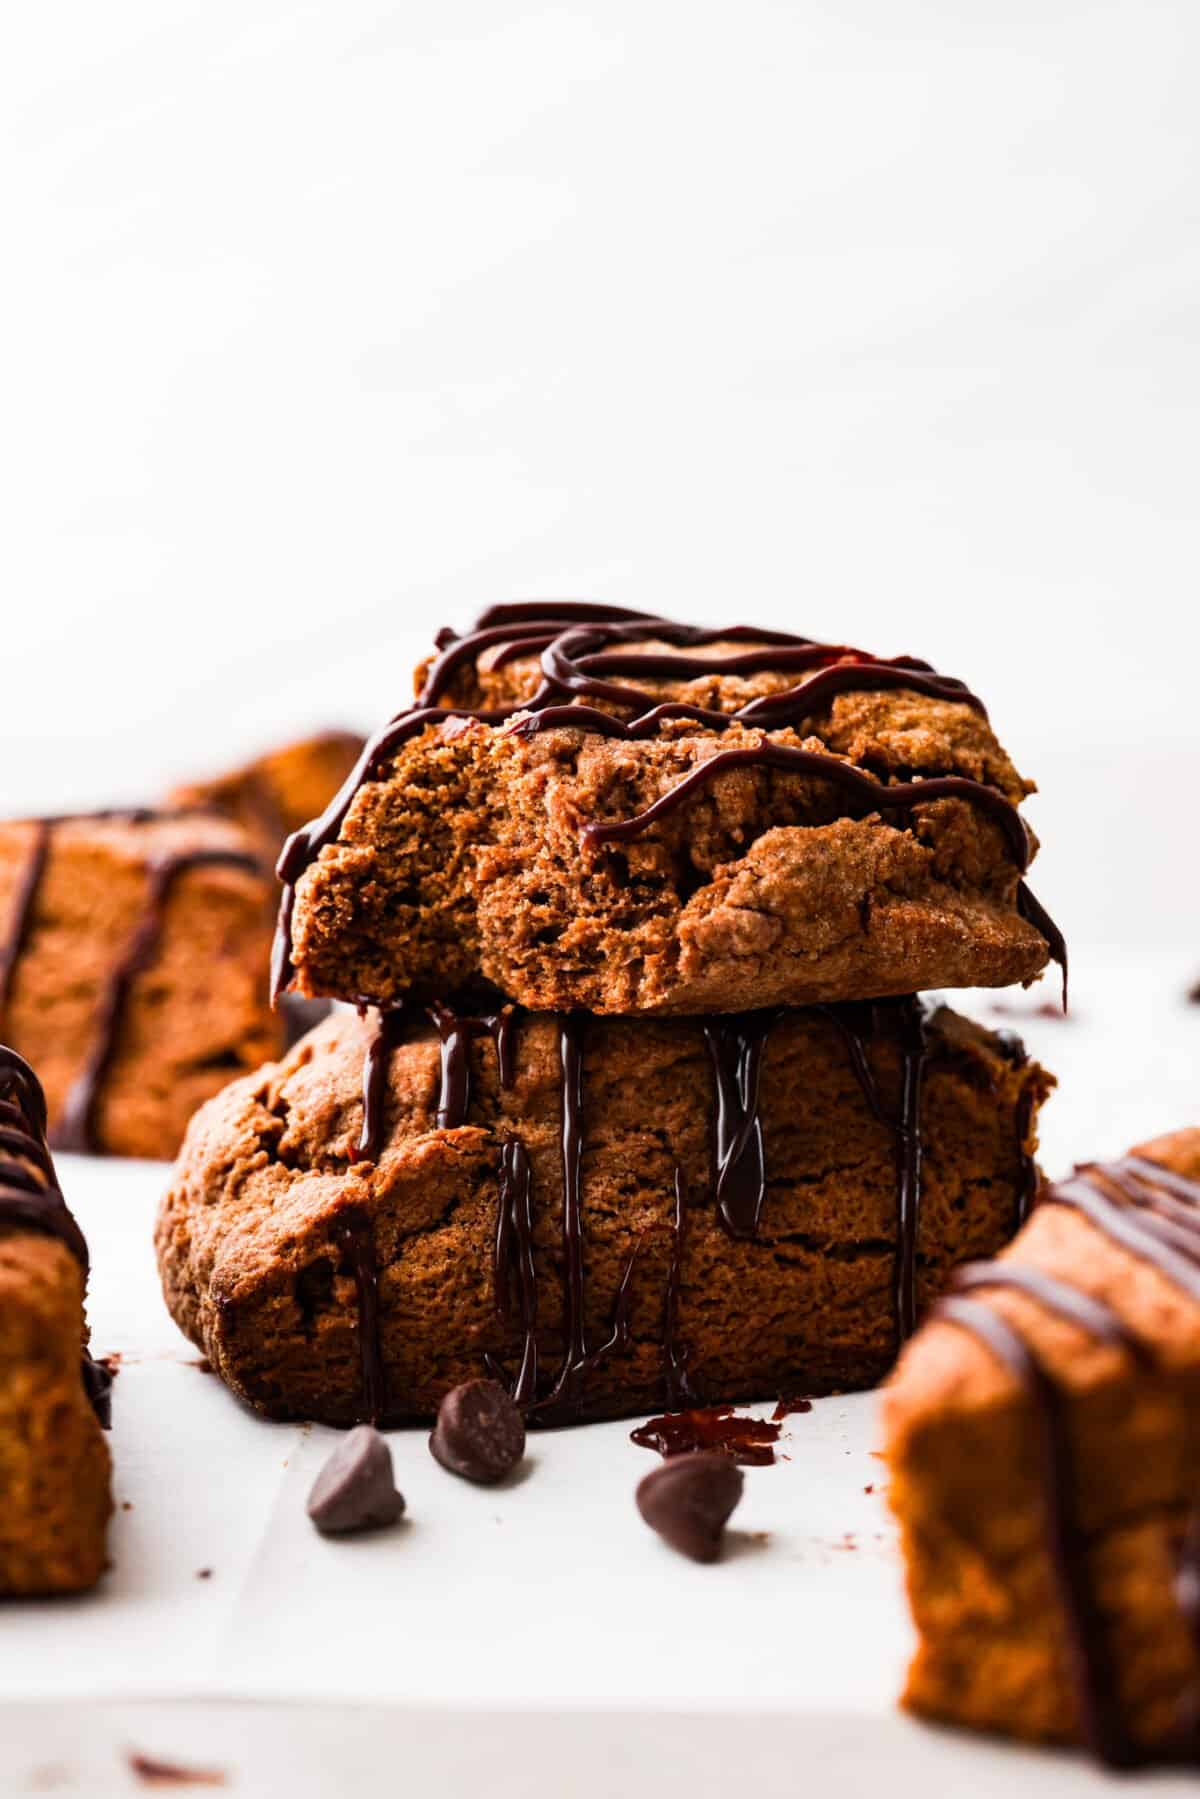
(592,809)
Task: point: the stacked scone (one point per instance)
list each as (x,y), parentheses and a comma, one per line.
(638,1103)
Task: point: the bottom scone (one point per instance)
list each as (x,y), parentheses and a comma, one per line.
(606,1213)
(54,1465)
(1043,1437)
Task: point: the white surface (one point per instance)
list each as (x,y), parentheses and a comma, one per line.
(326,323)
(545,1596)
(881,320)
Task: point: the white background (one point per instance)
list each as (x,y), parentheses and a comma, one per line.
(875,318)
(325,324)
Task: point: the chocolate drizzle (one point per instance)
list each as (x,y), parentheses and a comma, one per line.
(859,1022)
(675,1353)
(27,892)
(736,1046)
(514,1263)
(576,645)
(1155,1214)
(355,1235)
(76,1129)
(30,1196)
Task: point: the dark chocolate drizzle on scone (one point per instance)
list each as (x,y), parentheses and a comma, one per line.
(575,644)
(30,1196)
(1155,1214)
(76,1130)
(737,1046)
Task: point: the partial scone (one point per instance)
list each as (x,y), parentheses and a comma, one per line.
(607,1213)
(54,1466)
(273,796)
(643,817)
(133,970)
(1043,1438)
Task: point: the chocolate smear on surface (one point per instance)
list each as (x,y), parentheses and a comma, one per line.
(719,1428)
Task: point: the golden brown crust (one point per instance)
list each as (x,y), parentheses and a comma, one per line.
(967,1484)
(197,1016)
(253,1271)
(54,1464)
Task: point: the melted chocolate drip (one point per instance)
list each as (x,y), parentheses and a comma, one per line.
(30,1196)
(750,1441)
(675,1353)
(1155,1214)
(1091,1662)
(904,796)
(355,1235)
(22,916)
(573,641)
(514,1263)
(76,1128)
(735,1047)
(860,1022)
(575,1354)
(1034,913)
(389,1028)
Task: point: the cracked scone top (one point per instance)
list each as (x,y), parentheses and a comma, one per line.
(601,811)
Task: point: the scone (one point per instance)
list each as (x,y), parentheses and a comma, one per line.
(55,1501)
(626,815)
(273,795)
(607,1213)
(133,970)
(1043,1438)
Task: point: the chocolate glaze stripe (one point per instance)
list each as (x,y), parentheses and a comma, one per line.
(1115,1197)
(570,659)
(523,629)
(514,1263)
(355,1235)
(30,1196)
(859,1022)
(911,1036)
(1084,1310)
(29,1191)
(389,1029)
(677,1388)
(735,1047)
(22,913)
(1087,1642)
(904,796)
(575,1354)
(76,1129)
(574,660)
(1033,912)
(1154,1240)
(454,1089)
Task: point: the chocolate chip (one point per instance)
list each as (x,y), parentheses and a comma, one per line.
(356,1489)
(688,1500)
(480,1432)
